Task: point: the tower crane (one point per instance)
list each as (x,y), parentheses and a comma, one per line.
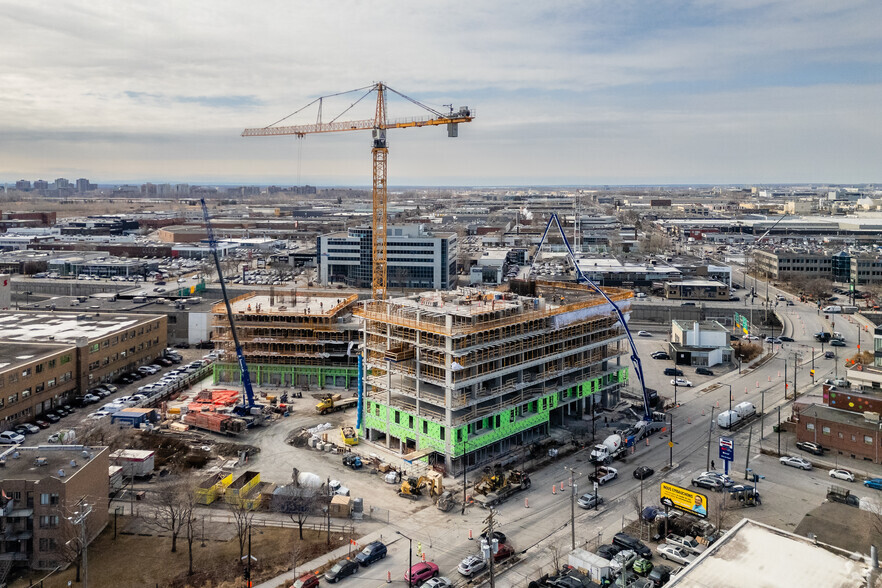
(378,126)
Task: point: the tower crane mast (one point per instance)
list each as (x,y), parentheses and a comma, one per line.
(380,152)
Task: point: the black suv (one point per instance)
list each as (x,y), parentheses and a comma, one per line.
(371,553)
(632,543)
(341,569)
(812,448)
(673,372)
(704,371)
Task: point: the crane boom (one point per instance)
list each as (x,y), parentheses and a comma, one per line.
(635,359)
(379,152)
(249,403)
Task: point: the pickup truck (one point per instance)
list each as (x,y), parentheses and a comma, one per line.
(603,475)
(690,544)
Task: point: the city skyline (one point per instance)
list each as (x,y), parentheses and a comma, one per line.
(586,94)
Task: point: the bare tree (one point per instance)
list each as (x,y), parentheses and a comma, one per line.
(171,508)
(105,434)
(300,504)
(242,518)
(556,553)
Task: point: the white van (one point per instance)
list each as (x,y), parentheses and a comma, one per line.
(833,309)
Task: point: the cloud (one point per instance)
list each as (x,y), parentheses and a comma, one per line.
(690,78)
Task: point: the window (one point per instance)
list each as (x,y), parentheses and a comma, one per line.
(94,347)
(25,393)
(425,427)
(376,409)
(497,422)
(13,398)
(868,439)
(25,372)
(825,430)
(52,363)
(397,417)
(442,433)
(47,498)
(409,422)
(48,521)
(65,359)
(47,544)
(39,368)
(810,426)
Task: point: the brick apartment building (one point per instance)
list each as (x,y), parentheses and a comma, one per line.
(845,432)
(42,488)
(48,357)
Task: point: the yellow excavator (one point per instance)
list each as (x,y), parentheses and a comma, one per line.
(412,488)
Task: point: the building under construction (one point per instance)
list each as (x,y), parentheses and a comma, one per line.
(290,339)
(479,373)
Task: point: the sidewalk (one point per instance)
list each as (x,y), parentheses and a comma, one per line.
(287,578)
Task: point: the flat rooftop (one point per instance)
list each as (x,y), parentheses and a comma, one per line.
(753,554)
(287,302)
(698,283)
(52,327)
(36,463)
(15,354)
(466,302)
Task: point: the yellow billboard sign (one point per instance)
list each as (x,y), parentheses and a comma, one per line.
(683,499)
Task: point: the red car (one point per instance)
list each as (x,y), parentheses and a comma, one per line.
(421,572)
(41,424)
(307,581)
(503,551)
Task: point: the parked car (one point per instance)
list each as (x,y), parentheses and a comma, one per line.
(608,551)
(628,542)
(796,462)
(829,355)
(372,552)
(786,339)
(498,535)
(643,472)
(341,569)
(660,575)
(438,582)
(837,343)
(774,340)
(644,334)
(812,448)
(681,382)
(675,554)
(586,501)
(11,438)
(642,566)
(840,474)
(310,580)
(704,371)
(51,417)
(29,428)
(708,482)
(61,411)
(660,355)
(503,551)
(41,423)
(421,571)
(673,372)
(723,478)
(471,564)
(875,483)
(623,560)
(109,387)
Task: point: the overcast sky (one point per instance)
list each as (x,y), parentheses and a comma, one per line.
(566,93)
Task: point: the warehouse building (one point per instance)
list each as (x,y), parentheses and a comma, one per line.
(476,374)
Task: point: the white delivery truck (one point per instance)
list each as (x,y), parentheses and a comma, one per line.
(728,419)
(745,410)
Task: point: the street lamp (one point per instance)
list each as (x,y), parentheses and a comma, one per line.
(409,559)
(671,442)
(730,395)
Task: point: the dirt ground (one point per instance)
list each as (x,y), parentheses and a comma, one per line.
(139,561)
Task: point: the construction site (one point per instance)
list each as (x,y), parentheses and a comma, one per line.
(290,339)
(473,374)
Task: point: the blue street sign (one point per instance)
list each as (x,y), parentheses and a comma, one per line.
(727,449)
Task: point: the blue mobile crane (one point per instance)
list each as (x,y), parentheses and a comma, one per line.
(248,406)
(582,278)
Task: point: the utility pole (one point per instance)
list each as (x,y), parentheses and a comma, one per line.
(572,505)
(489,535)
(79,518)
(786,385)
(779,430)
(747,453)
(710,428)
(762,415)
(248,563)
(795,367)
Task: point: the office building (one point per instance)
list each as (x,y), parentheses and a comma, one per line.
(700,343)
(477,374)
(417,258)
(696,290)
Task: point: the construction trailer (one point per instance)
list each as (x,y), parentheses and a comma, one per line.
(483,373)
(134,462)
